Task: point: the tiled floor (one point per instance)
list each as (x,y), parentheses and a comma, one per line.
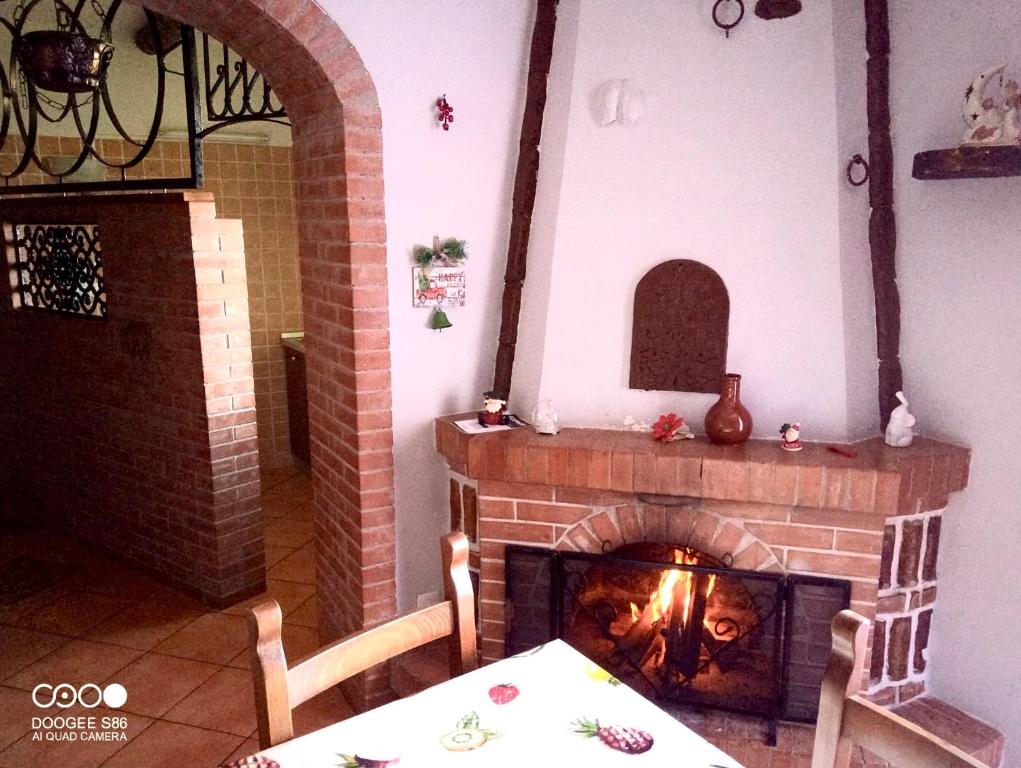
(184,666)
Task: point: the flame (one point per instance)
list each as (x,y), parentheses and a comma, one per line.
(661,600)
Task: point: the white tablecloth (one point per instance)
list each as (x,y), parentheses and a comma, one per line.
(556,686)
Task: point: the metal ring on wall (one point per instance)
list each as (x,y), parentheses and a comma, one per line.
(722,25)
(857,160)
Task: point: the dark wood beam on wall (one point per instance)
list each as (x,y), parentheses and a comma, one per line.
(882,221)
(525,181)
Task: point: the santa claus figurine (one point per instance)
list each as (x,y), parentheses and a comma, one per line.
(790,434)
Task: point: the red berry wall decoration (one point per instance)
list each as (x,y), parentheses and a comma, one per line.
(444,113)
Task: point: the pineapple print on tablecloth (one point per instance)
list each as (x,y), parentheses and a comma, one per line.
(624,739)
(357,761)
(468,735)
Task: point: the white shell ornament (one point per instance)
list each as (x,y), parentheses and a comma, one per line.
(619,102)
(989,121)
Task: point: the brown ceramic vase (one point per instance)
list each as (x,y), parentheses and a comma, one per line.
(728,421)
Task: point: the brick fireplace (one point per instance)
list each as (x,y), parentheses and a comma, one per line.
(873,520)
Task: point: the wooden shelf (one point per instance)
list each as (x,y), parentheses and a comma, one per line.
(968,163)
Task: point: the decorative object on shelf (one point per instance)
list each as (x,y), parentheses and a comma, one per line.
(777,9)
(545,418)
(494,406)
(721,22)
(899,432)
(790,436)
(618,102)
(439,320)
(728,422)
(991,147)
(670,427)
(857,160)
(991,122)
(444,112)
(440,278)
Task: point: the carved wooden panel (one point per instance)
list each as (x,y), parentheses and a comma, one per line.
(679,338)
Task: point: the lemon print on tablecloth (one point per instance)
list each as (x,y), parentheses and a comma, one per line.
(599,674)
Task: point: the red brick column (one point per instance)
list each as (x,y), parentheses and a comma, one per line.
(331,101)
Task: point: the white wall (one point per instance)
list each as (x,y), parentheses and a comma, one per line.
(960,276)
(735,164)
(449,183)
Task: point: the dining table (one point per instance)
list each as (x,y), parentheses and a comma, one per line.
(549,706)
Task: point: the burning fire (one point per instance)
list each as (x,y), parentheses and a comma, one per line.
(661,600)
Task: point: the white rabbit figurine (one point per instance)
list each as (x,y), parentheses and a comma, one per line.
(898,431)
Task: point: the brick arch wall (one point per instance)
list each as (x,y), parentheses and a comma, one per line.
(338,167)
(611,527)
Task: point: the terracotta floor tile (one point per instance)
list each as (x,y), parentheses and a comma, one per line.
(248,747)
(213,637)
(106,577)
(26,753)
(300,566)
(18,710)
(225,703)
(305,615)
(76,612)
(325,709)
(288,533)
(289,594)
(21,647)
(77,662)
(274,554)
(276,506)
(143,625)
(304,511)
(19,613)
(155,683)
(171,745)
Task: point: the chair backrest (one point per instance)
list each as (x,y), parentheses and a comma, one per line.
(279,688)
(847,719)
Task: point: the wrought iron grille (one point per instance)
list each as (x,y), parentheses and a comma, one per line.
(59,268)
(747,642)
(236,92)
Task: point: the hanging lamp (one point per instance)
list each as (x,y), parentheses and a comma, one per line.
(62,60)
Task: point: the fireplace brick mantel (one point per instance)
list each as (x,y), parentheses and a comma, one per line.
(872,519)
(879,480)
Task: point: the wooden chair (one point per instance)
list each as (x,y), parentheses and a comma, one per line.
(279,689)
(847,719)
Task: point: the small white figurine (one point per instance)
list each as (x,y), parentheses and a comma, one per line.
(790,434)
(898,432)
(989,122)
(545,418)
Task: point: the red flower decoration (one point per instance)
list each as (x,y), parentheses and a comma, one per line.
(666,427)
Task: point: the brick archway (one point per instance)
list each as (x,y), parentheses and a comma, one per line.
(338,168)
(611,527)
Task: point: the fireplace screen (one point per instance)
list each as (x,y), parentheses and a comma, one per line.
(679,625)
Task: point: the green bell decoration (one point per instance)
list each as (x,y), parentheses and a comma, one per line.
(439,320)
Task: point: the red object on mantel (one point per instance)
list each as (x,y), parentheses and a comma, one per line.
(843,450)
(728,422)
